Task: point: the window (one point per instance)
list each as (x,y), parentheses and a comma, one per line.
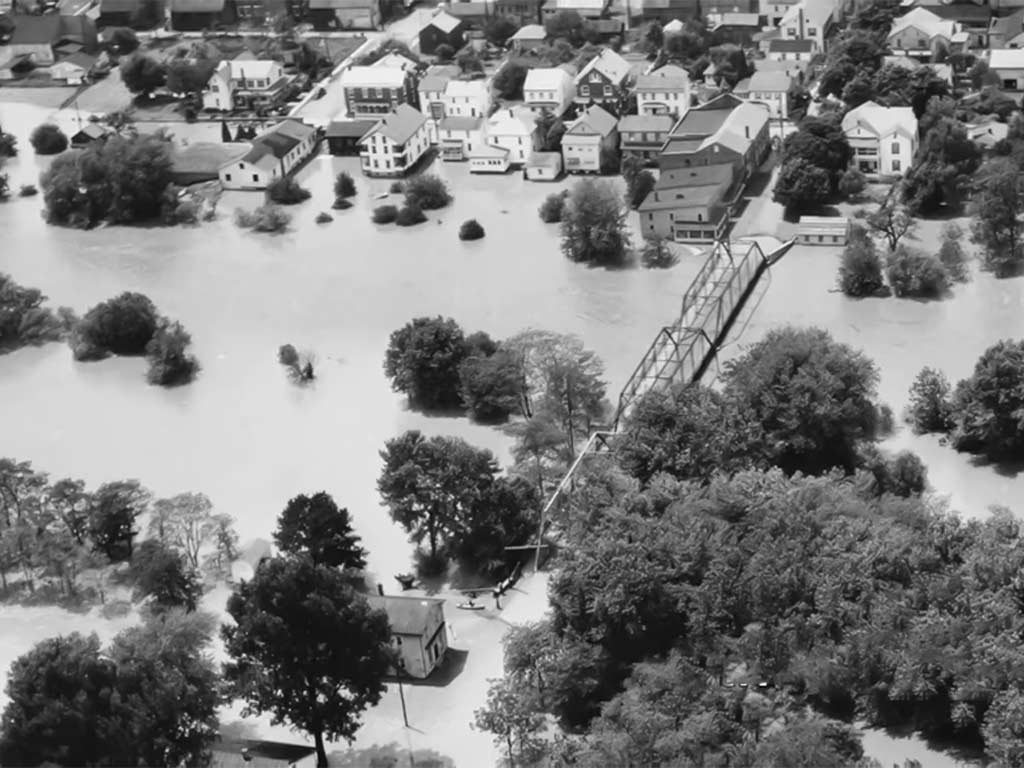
(650,217)
(227,177)
(1009,85)
(374,93)
(896,165)
(255,177)
(584,90)
(895,147)
(700,217)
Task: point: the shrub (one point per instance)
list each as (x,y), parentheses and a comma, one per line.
(657,254)
(288,191)
(266,218)
(184,212)
(385,214)
(324,218)
(169,361)
(124,39)
(191,114)
(427,192)
(341,204)
(988,405)
(931,407)
(444,52)
(952,254)
(287,355)
(123,325)
(396,188)
(344,186)
(551,209)
(913,273)
(410,215)
(8,144)
(471,230)
(28,190)
(852,183)
(48,139)
(860,268)
(642,186)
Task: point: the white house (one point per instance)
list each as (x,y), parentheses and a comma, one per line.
(774,10)
(586,139)
(238,84)
(274,154)
(987,131)
(398,61)
(543,166)
(769,88)
(799,51)
(548,89)
(1008,63)
(418,631)
(883,139)
(515,130)
(921,33)
(489,159)
(665,91)
(809,20)
(395,144)
(431,89)
(74,69)
(467,98)
(459,136)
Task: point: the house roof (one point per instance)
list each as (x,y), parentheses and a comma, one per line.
(546,79)
(515,122)
(349,129)
(586,5)
(82,60)
(36,30)
(279,140)
(881,120)
(488,150)
(253,69)
(924,20)
(1008,25)
(443,21)
(781,45)
(206,156)
(320,5)
(400,126)
(698,124)
(544,160)
(664,78)
(531,32)
(655,123)
(460,123)
(431,83)
(468,9)
(406,615)
(817,13)
(373,77)
(967,13)
(701,186)
(674,27)
(609,64)
(594,121)
(196,6)
(470,89)
(395,61)
(778,82)
(734,19)
(697,176)
(91,131)
(1006,58)
(227,753)
(118,6)
(604,26)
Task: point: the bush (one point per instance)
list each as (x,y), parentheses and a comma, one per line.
(28,190)
(385,214)
(8,144)
(184,212)
(989,404)
(410,215)
(657,254)
(169,361)
(123,325)
(444,53)
(344,186)
(427,192)
(266,218)
(287,355)
(124,39)
(341,204)
(931,408)
(913,273)
(952,254)
(471,230)
(641,187)
(551,209)
(288,191)
(48,139)
(396,188)
(852,183)
(324,218)
(860,268)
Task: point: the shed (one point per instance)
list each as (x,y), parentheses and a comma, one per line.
(89,133)
(823,230)
(343,135)
(489,159)
(543,166)
(442,29)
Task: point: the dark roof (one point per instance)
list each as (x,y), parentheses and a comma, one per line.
(83,60)
(701,186)
(118,6)
(36,30)
(349,129)
(196,6)
(962,12)
(699,124)
(697,176)
(791,46)
(1009,25)
(399,126)
(604,26)
(656,123)
(205,156)
(467,9)
(90,132)
(227,753)
(406,615)
(278,141)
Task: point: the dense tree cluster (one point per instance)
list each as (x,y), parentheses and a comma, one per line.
(24,321)
(48,139)
(814,159)
(594,227)
(995,208)
(945,162)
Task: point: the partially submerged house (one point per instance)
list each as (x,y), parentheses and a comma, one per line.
(394,145)
(272,155)
(418,631)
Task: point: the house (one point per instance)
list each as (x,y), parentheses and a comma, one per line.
(74,69)
(442,29)
(418,629)
(513,129)
(603,80)
(921,34)
(458,136)
(246,84)
(799,52)
(489,159)
(691,204)
(543,166)
(253,12)
(884,139)
(467,98)
(117,13)
(40,37)
(644,135)
(522,12)
(376,91)
(665,91)
(588,141)
(774,10)
(529,37)
(725,130)
(395,60)
(986,131)
(1008,64)
(604,30)
(251,753)
(972,19)
(345,14)
(1007,31)
(473,14)
(809,20)
(674,27)
(768,88)
(666,11)
(195,15)
(430,89)
(89,133)
(273,155)
(343,135)
(201,161)
(823,230)
(548,89)
(588,9)
(395,143)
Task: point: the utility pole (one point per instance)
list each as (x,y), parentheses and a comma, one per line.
(401,691)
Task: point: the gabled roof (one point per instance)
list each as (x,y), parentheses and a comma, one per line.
(196,6)
(468,89)
(649,123)
(883,121)
(609,64)
(736,19)
(118,6)
(468,9)
(533,32)
(924,20)
(395,61)
(488,150)
(817,14)
(544,160)
(227,753)
(279,140)
(516,122)
(546,79)
(91,131)
(83,60)
(443,21)
(349,129)
(791,46)
(431,83)
(460,123)
(252,69)
(406,615)
(777,82)
(667,78)
(1006,58)
(373,77)
(674,27)
(1008,25)
(400,126)
(595,121)
(36,30)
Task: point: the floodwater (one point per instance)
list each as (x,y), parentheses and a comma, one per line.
(249,439)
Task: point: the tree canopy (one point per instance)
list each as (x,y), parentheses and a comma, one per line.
(594,227)
(316,527)
(989,405)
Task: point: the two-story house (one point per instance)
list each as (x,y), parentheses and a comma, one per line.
(246,84)
(522,12)
(418,632)
(1008,64)
(884,139)
(442,29)
(442,96)
(809,20)
(690,205)
(590,142)
(395,144)
(514,129)
(920,34)
(1007,31)
(796,54)
(548,89)
(603,80)
(430,89)
(768,88)
(375,91)
(643,136)
(273,155)
(588,9)
(665,91)
(345,14)
(459,137)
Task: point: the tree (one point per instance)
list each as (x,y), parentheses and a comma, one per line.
(423,359)
(344,186)
(431,486)
(287,191)
(444,53)
(513,720)
(471,229)
(142,74)
(490,386)
(123,325)
(225,546)
(1004,728)
(942,170)
(801,186)
(658,253)
(23,318)
(892,222)
(123,40)
(469,62)
(188,77)
(170,364)
(162,573)
(508,81)
(642,187)
(813,397)
(316,527)
(115,508)
(594,227)
(319,679)
(553,207)
(995,226)
(821,142)
(499,29)
(184,521)
(860,270)
(567,25)
(505,514)
(48,139)
(550,129)
(931,408)
(912,272)
(852,183)
(952,254)
(8,144)
(988,405)
(427,192)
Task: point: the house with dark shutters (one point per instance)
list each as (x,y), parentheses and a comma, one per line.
(442,29)
(376,91)
(604,80)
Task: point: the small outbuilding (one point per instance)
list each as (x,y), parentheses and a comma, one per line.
(89,133)
(543,166)
(529,37)
(823,230)
(418,631)
(489,158)
(343,135)
(442,29)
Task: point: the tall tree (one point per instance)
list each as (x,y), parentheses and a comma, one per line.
(594,227)
(989,405)
(306,648)
(162,574)
(422,361)
(142,74)
(801,186)
(115,508)
(995,209)
(513,721)
(315,526)
(891,221)
(185,521)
